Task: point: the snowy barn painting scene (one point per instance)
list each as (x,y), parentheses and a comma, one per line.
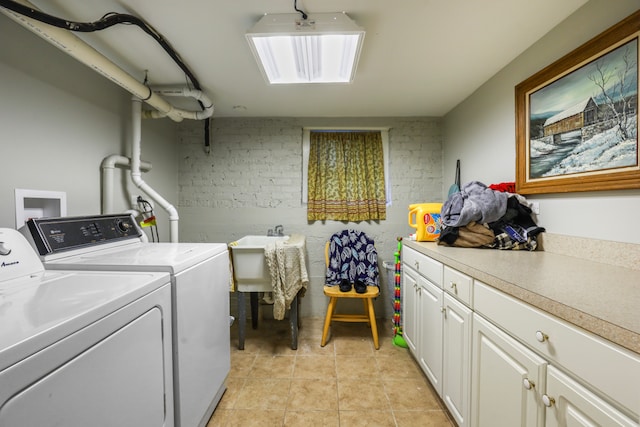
(587,120)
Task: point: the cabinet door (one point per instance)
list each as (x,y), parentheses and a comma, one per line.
(563,344)
(457,359)
(430,330)
(507,378)
(570,404)
(409,295)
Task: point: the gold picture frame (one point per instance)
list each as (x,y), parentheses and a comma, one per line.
(577,119)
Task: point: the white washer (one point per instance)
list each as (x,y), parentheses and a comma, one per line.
(82,349)
(200,277)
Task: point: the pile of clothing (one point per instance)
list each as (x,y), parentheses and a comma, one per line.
(489,217)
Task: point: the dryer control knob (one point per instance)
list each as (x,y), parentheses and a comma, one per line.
(4,250)
(122,226)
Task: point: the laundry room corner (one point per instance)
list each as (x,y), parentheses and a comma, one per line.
(76,119)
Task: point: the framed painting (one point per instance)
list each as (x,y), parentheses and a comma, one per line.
(577,119)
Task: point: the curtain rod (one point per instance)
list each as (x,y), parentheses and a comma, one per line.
(344,129)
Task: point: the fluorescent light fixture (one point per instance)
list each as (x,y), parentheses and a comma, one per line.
(324,48)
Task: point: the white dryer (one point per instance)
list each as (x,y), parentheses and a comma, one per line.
(82,349)
(200,276)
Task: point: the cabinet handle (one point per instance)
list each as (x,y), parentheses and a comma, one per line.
(417,265)
(541,336)
(453,286)
(443,309)
(548,401)
(528,384)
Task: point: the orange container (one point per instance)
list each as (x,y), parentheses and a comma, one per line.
(425,218)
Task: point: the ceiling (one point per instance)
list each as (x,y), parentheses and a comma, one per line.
(420,57)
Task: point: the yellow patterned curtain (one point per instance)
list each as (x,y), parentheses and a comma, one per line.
(346,177)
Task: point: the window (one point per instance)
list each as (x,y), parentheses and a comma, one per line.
(349,171)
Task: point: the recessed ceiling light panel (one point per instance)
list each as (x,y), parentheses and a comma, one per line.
(324,48)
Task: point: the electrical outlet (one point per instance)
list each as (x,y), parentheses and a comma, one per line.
(535,207)
(134,202)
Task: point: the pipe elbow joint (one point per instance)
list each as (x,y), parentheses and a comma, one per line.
(136,177)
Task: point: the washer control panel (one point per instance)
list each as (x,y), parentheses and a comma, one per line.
(51,235)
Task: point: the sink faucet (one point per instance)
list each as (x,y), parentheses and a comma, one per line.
(270,232)
(279,231)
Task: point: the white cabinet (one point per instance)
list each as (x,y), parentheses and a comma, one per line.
(459,285)
(571,404)
(422,323)
(409,302)
(588,381)
(422,264)
(506,377)
(456,373)
(430,352)
(497,361)
(437,328)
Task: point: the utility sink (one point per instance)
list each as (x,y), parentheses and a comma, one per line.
(250,268)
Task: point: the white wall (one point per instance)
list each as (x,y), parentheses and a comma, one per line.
(59,120)
(252,181)
(481,133)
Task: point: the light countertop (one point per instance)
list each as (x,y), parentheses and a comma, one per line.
(600,298)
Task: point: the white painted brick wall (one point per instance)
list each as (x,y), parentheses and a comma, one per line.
(251,181)
(253,163)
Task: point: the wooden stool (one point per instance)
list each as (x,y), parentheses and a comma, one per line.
(369,316)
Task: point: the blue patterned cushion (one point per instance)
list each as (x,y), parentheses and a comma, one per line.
(352,256)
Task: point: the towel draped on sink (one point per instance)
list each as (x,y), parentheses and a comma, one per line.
(288,271)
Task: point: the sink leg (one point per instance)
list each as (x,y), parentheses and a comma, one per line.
(293,320)
(254,309)
(242,319)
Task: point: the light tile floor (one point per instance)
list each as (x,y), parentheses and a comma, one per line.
(346,383)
